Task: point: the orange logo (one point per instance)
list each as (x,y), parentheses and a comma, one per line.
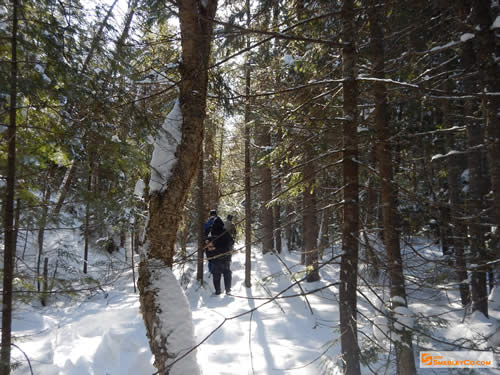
(426,359)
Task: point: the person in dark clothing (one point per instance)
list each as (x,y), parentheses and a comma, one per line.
(219,254)
(207,230)
(207,227)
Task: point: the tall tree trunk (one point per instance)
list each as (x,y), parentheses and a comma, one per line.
(9,228)
(350,225)
(310,224)
(373,219)
(42,223)
(458,229)
(266,192)
(489,71)
(166,206)
(277,218)
(404,348)
(474,203)
(86,223)
(219,167)
(248,196)
(200,203)
(210,182)
(277,205)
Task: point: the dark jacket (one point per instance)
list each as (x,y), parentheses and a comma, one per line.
(222,241)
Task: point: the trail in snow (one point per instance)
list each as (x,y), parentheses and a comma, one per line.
(105,334)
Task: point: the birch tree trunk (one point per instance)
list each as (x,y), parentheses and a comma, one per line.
(350,224)
(166,206)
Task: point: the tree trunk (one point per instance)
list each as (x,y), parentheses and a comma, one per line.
(458,229)
(289,227)
(489,71)
(45,289)
(277,205)
(474,200)
(200,203)
(350,225)
(475,206)
(166,206)
(42,223)
(133,244)
(324,237)
(266,192)
(248,196)
(211,187)
(86,223)
(9,228)
(219,176)
(310,224)
(373,219)
(277,221)
(404,349)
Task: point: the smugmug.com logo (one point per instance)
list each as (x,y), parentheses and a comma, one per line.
(463,359)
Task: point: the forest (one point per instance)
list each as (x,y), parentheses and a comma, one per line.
(355,143)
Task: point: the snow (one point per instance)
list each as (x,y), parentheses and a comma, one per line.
(243,333)
(139,188)
(465,37)
(165,147)
(175,316)
(450,153)
(288,60)
(443,47)
(39,68)
(496,24)
(404,318)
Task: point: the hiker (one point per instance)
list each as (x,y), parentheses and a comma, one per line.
(219,255)
(207,227)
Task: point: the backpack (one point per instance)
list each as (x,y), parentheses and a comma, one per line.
(207,227)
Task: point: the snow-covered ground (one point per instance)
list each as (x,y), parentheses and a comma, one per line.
(244,333)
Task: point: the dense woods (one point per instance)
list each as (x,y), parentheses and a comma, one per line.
(350,132)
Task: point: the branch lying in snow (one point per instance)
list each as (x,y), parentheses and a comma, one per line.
(25,356)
